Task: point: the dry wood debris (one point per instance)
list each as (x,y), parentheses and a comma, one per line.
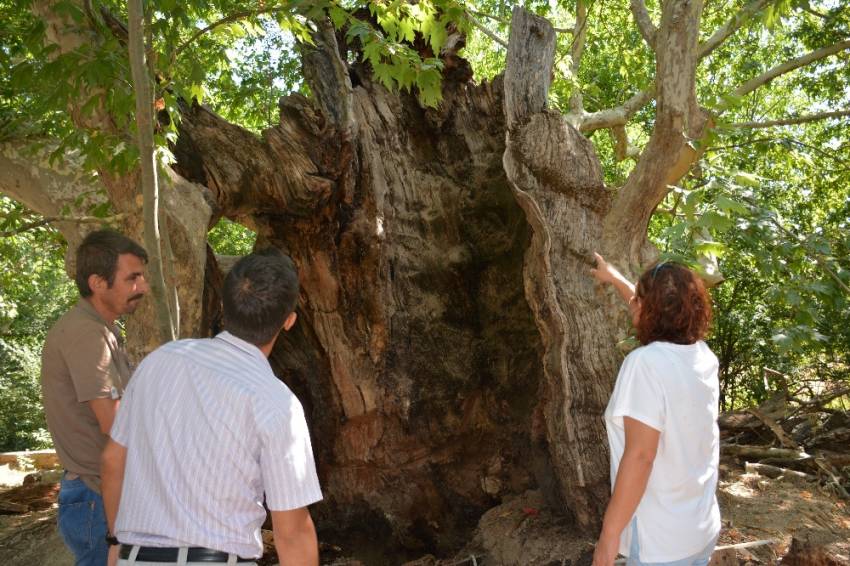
(793,437)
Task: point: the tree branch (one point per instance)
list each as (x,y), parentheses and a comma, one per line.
(791,121)
(787,67)
(576,50)
(733,25)
(51,219)
(623,149)
(668,155)
(618,116)
(235,17)
(27,176)
(644,22)
(505,22)
(327,75)
(484,29)
(150,182)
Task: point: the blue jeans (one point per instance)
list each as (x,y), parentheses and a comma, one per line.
(701,558)
(82,523)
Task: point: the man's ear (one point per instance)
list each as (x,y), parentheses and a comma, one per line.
(290,321)
(97,283)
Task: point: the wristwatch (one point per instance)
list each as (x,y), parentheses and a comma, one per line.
(110,539)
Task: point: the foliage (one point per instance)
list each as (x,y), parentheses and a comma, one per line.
(781,237)
(230,238)
(28,307)
(22,424)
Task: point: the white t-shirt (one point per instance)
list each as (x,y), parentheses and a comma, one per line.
(672,388)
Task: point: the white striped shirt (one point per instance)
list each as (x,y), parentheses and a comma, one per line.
(208,429)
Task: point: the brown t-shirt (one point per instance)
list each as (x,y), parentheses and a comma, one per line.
(83,359)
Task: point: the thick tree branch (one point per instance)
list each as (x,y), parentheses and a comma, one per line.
(328,77)
(668,154)
(623,148)
(618,116)
(56,192)
(644,22)
(787,67)
(287,171)
(791,121)
(733,25)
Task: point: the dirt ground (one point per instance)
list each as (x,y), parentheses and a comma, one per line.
(757,508)
(522,531)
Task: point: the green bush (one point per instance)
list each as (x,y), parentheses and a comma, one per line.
(22,424)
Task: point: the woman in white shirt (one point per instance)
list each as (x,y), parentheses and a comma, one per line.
(662,425)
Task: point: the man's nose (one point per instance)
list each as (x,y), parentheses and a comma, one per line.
(143,285)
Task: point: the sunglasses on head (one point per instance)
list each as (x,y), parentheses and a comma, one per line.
(658,268)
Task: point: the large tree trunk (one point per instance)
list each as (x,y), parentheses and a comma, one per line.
(451,347)
(557,180)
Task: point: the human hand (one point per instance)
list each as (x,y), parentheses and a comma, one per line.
(604,272)
(606,551)
(112,558)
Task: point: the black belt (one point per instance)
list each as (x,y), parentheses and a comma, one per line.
(169,554)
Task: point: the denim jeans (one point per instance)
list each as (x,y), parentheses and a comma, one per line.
(82,523)
(701,558)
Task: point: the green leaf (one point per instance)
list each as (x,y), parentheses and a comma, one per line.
(747,179)
(101,210)
(716,249)
(714,221)
(728,205)
(338,16)
(407,29)
(438,36)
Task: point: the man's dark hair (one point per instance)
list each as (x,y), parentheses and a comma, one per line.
(260,291)
(98,255)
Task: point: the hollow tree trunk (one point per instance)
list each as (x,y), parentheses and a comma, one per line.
(451,348)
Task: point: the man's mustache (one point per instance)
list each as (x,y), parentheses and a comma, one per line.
(134,297)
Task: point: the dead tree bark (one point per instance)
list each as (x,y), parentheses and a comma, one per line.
(557,180)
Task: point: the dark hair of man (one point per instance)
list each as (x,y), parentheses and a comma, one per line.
(260,291)
(674,305)
(98,255)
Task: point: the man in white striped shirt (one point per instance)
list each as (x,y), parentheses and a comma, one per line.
(205,430)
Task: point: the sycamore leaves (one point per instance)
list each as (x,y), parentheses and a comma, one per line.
(784,257)
(402,42)
(239,58)
(404,49)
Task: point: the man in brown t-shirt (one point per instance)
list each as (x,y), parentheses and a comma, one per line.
(84,371)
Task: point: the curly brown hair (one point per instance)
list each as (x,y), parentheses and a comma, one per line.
(674,305)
